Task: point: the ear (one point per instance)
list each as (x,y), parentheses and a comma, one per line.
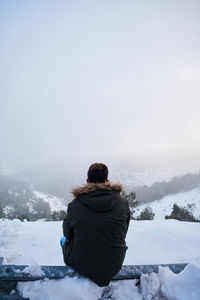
(87,180)
(107,181)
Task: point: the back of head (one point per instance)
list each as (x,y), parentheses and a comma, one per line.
(97,173)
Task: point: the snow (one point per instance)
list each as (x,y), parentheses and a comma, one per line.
(163,207)
(77,289)
(30,242)
(60,289)
(167,285)
(8,209)
(34,270)
(149,242)
(185,285)
(162,241)
(56,203)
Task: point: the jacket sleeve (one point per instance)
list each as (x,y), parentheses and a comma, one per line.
(129,216)
(67,224)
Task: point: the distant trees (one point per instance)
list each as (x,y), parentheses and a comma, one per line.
(41,209)
(131,201)
(24,217)
(1,211)
(17,200)
(146,214)
(58,215)
(181,214)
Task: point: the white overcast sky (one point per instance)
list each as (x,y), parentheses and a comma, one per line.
(99,81)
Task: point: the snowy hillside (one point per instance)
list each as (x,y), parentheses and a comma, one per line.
(19,200)
(56,203)
(37,206)
(163,207)
(161,241)
(131,180)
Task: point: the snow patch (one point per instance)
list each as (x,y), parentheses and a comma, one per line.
(67,288)
(56,203)
(76,288)
(167,285)
(34,270)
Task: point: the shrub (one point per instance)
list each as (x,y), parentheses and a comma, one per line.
(24,217)
(181,214)
(58,215)
(146,214)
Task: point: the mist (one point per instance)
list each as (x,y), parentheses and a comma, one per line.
(114,82)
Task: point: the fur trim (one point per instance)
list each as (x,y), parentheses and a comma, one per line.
(91,187)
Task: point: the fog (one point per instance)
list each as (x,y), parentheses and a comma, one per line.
(107,81)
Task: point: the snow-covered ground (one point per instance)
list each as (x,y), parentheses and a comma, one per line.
(163,207)
(149,242)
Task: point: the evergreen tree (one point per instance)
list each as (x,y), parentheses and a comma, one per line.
(2,215)
(146,214)
(58,215)
(131,201)
(24,217)
(181,214)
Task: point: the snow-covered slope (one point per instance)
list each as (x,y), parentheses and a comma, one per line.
(36,206)
(163,207)
(130,180)
(56,203)
(158,241)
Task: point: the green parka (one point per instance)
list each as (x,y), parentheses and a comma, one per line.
(95,228)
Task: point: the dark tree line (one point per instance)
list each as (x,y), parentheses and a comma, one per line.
(181,214)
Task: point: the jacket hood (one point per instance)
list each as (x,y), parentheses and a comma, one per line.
(100,197)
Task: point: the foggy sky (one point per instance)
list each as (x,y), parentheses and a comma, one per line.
(111,81)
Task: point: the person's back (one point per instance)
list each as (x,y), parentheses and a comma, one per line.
(96,227)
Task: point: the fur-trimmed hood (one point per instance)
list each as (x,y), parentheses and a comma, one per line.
(91,187)
(98,196)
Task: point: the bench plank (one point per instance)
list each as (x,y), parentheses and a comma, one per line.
(17,273)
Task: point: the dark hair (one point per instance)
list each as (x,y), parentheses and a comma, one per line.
(97,173)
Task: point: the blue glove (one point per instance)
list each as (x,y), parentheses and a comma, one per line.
(62,241)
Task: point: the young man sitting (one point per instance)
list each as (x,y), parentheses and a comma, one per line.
(95,227)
